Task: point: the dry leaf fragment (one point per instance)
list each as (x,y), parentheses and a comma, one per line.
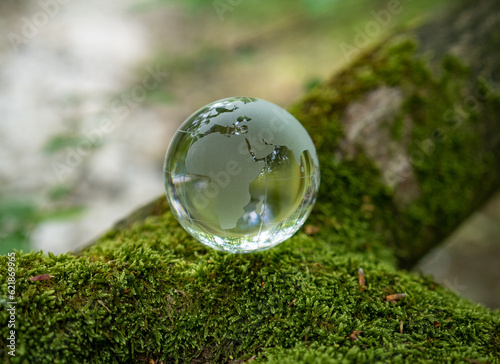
(436,324)
(291,303)
(395,297)
(401,327)
(311,229)
(127,290)
(361,279)
(354,335)
(42,277)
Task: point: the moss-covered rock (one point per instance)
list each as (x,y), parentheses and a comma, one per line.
(148,292)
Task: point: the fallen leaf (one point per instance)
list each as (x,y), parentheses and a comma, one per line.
(42,277)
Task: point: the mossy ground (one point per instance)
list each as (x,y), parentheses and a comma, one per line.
(148,291)
(153,292)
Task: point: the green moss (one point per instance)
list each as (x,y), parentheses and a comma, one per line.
(153,292)
(147,290)
(448,158)
(446,150)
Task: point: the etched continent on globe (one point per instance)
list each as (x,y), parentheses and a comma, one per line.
(241,174)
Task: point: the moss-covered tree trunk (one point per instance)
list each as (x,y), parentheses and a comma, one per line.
(409,146)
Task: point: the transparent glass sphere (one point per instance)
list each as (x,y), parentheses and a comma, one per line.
(241,175)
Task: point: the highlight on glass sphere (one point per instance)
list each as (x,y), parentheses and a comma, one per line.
(241,175)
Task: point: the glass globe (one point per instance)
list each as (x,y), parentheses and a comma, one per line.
(241,175)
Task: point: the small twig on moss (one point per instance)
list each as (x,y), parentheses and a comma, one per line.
(401,327)
(103,305)
(395,297)
(361,279)
(311,229)
(473,361)
(291,303)
(354,335)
